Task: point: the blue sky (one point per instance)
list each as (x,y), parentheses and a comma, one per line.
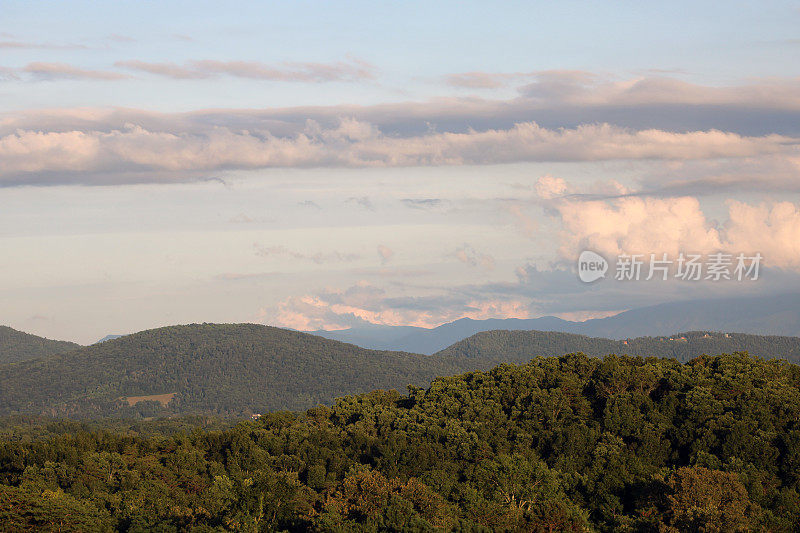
(320,165)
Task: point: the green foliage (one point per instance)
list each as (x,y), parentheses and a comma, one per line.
(235,370)
(18,346)
(220,369)
(519,346)
(569,443)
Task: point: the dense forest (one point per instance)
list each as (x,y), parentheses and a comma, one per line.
(519,346)
(225,370)
(19,346)
(235,370)
(570,443)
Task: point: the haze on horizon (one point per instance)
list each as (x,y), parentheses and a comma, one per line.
(293,165)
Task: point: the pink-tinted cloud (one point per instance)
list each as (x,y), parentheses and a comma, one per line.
(385,253)
(364,303)
(469,256)
(350,144)
(352,70)
(645,225)
(64,71)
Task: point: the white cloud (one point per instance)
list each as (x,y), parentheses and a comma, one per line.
(548,187)
(645,225)
(772,229)
(103,156)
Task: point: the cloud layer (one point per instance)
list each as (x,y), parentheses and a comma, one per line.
(134,153)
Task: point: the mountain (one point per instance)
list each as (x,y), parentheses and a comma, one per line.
(109,338)
(521,346)
(224,369)
(238,369)
(19,346)
(431,340)
(765,315)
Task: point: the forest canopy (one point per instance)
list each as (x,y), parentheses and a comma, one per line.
(570,443)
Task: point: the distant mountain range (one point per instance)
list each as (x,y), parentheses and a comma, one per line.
(109,338)
(772,315)
(238,369)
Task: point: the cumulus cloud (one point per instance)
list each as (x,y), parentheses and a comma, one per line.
(645,225)
(772,229)
(96,156)
(548,187)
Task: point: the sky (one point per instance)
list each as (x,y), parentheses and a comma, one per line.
(321,165)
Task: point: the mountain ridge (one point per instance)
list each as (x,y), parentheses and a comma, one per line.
(235,370)
(764,315)
(17,345)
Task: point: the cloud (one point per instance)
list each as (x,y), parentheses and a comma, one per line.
(40,46)
(64,71)
(585,88)
(548,187)
(317,258)
(169,70)
(469,256)
(353,70)
(636,225)
(134,153)
(385,253)
(423,203)
(772,229)
(645,225)
(362,201)
(7,74)
(481,80)
(365,303)
(527,225)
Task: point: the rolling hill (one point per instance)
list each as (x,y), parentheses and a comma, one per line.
(19,346)
(223,369)
(238,369)
(521,346)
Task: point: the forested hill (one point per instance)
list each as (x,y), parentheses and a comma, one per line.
(520,346)
(559,444)
(238,369)
(222,369)
(18,346)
